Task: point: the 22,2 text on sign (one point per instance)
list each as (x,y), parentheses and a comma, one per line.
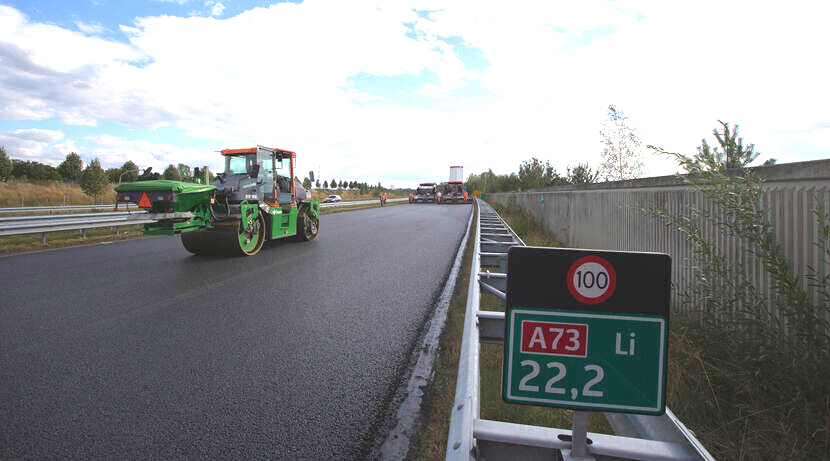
(586,361)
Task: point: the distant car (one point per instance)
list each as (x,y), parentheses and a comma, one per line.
(332,198)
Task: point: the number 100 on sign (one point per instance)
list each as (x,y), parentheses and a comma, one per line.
(585,360)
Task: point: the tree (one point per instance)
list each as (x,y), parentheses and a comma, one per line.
(769,162)
(184,171)
(582,174)
(5,165)
(70,169)
(44,172)
(621,152)
(325,184)
(129,170)
(534,174)
(172,173)
(93,179)
(333,184)
(733,153)
(317,184)
(19,169)
(34,171)
(306,183)
(113,174)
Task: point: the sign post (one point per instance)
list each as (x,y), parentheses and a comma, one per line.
(587,330)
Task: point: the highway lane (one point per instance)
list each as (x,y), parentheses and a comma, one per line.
(137,349)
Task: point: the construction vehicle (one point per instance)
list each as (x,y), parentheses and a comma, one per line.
(453,191)
(255,199)
(425,192)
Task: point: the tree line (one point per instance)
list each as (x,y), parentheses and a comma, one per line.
(533,174)
(92,178)
(343,184)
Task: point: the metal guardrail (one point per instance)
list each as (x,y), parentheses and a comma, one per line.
(43,224)
(36,209)
(472,438)
(360,202)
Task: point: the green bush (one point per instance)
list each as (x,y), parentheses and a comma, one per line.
(750,372)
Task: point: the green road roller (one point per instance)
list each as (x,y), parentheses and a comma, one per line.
(256,198)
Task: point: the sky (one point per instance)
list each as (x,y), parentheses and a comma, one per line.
(397,91)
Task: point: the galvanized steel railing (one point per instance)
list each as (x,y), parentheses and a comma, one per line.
(43,224)
(38,209)
(472,438)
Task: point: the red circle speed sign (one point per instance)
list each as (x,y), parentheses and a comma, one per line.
(591,280)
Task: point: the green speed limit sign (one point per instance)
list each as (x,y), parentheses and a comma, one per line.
(586,329)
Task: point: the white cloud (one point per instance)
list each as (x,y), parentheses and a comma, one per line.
(90,28)
(280,76)
(113,151)
(216,9)
(36,144)
(434,91)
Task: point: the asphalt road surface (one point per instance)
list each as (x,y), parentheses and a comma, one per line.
(138,349)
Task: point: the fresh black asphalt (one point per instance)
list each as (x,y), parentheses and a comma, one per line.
(138,349)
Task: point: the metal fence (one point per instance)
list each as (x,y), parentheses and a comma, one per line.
(43,224)
(20,225)
(65,208)
(472,438)
(615,216)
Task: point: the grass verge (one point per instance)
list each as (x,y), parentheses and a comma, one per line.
(440,394)
(744,405)
(13,244)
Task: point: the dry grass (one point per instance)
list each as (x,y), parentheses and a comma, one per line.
(14,244)
(773,407)
(48,193)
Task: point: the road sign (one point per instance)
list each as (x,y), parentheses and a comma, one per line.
(587,329)
(591,279)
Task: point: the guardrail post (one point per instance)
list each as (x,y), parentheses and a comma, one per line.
(83,233)
(43,238)
(579,439)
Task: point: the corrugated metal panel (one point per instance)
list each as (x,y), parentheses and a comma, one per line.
(615,219)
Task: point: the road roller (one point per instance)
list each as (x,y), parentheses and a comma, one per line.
(256,198)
